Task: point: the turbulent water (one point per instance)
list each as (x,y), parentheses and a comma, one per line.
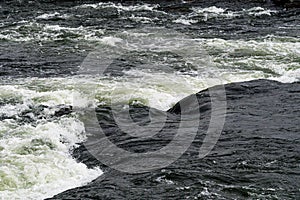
(43,48)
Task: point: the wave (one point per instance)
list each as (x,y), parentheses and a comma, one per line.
(199,14)
(35,145)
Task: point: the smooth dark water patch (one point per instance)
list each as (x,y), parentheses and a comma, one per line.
(257,155)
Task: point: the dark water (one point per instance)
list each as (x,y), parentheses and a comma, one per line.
(38,55)
(43,46)
(256,157)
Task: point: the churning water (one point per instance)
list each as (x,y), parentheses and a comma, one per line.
(42,49)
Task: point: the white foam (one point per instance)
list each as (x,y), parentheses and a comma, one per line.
(144,20)
(231,61)
(258,11)
(289,76)
(185,21)
(47,15)
(33,31)
(110,40)
(120,7)
(36,164)
(35,157)
(271,57)
(212,9)
(214,12)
